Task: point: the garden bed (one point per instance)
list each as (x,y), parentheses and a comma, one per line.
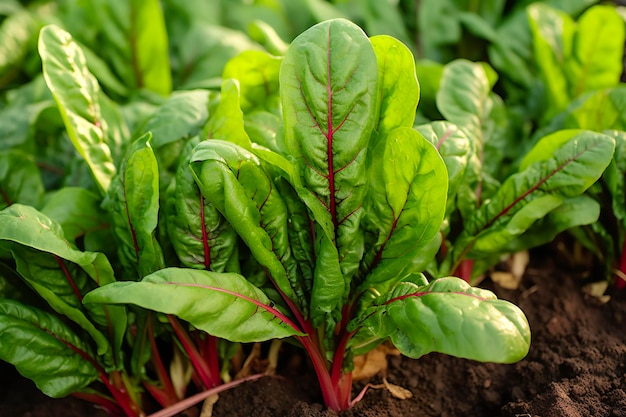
(576,367)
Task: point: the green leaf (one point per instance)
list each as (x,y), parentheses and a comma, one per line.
(553,34)
(615,177)
(77,94)
(60,273)
(449,316)
(398,89)
(226,122)
(455,148)
(148,40)
(133,202)
(16,33)
(234,182)
(76,210)
(598,48)
(257,74)
(572,212)
(182,115)
(463,97)
(404,207)
(202,65)
(561,165)
(225,305)
(201,237)
(328,91)
(20,180)
(42,348)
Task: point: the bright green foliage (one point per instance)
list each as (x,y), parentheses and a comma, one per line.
(77,94)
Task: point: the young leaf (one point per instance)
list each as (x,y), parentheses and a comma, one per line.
(133,201)
(44,350)
(77,93)
(226,122)
(257,74)
(451,317)
(328,92)
(225,305)
(20,180)
(404,207)
(201,237)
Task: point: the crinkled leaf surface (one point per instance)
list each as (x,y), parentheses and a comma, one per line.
(455,148)
(201,236)
(404,206)
(133,201)
(233,180)
(222,304)
(451,317)
(76,92)
(328,85)
(38,345)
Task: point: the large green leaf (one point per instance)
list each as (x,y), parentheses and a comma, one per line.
(20,180)
(44,349)
(328,92)
(233,181)
(451,317)
(561,165)
(133,202)
(77,94)
(225,305)
(59,273)
(201,237)
(404,207)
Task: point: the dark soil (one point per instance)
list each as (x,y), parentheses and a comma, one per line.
(576,368)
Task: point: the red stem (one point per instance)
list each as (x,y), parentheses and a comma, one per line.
(110,406)
(464,270)
(199,364)
(168,388)
(205,237)
(620,283)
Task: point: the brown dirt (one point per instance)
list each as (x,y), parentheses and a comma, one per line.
(576,368)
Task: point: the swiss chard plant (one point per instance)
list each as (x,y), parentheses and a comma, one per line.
(56,247)
(497,205)
(338,206)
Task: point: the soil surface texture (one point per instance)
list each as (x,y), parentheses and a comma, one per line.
(576,368)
